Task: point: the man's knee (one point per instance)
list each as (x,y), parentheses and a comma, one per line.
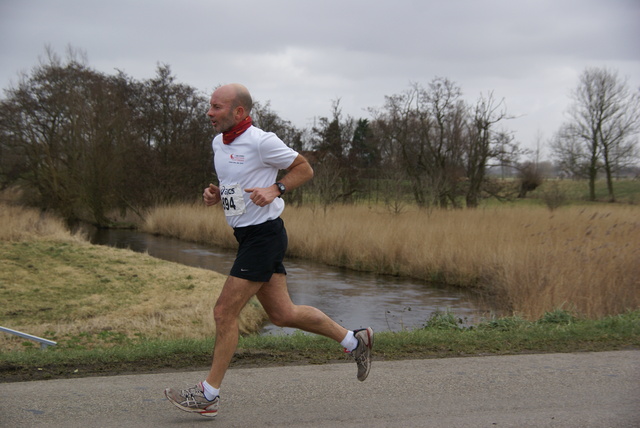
(283,318)
(234,296)
(223,314)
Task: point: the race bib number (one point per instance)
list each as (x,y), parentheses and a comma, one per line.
(232,200)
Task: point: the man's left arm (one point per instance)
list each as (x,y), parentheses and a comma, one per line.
(299,172)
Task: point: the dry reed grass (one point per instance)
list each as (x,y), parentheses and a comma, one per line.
(584,259)
(19,224)
(195,223)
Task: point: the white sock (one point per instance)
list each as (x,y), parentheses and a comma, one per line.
(349,342)
(209,391)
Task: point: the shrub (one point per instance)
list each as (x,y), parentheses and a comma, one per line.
(553,196)
(559,316)
(444,321)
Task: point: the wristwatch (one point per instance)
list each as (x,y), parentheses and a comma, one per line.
(281,188)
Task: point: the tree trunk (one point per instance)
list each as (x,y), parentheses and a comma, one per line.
(593,170)
(609,174)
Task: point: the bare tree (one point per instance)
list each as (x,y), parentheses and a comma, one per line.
(445,141)
(605,115)
(178,136)
(332,139)
(64,124)
(403,127)
(570,153)
(484,143)
(84,143)
(442,145)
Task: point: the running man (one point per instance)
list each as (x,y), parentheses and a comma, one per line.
(247,161)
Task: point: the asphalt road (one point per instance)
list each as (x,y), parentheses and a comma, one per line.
(545,390)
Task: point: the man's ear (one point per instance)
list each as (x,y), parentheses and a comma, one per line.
(239,112)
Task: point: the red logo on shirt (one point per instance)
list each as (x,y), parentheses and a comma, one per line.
(236,158)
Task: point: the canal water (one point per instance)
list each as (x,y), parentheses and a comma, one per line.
(353,299)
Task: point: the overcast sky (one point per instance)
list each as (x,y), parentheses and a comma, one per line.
(301,55)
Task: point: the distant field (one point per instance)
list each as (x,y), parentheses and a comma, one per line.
(626,191)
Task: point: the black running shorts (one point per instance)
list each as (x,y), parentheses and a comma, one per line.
(261,251)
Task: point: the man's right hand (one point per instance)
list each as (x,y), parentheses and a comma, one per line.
(211,195)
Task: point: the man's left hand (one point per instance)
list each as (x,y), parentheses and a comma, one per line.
(263,196)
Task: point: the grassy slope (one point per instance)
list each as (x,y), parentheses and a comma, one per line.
(83,295)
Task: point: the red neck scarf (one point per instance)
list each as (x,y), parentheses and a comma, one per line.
(233,133)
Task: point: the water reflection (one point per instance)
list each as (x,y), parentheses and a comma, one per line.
(354,299)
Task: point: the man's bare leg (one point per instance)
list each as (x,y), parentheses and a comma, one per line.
(234,296)
(275,299)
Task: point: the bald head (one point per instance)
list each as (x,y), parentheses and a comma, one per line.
(238,95)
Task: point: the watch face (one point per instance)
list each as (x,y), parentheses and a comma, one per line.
(281,188)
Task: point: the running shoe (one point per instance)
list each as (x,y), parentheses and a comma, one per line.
(193,400)
(362,353)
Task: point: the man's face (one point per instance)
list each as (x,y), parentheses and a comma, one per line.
(220,113)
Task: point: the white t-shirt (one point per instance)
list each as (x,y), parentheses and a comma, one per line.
(253,159)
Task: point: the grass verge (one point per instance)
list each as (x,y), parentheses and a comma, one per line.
(443,336)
